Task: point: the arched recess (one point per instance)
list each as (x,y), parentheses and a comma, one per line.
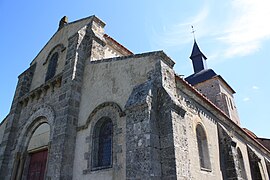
(102,144)
(100,108)
(37,151)
(57,48)
(241,164)
(203,148)
(105,127)
(267,162)
(52,66)
(254,164)
(227,153)
(53,60)
(39,122)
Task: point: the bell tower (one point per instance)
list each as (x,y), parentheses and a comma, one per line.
(211,85)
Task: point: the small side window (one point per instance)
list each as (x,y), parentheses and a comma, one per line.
(203,148)
(102,144)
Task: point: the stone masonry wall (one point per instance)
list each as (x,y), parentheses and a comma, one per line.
(215,90)
(142,153)
(62,94)
(79,50)
(227,153)
(211,90)
(225,139)
(196,115)
(173,129)
(121,80)
(7,144)
(151,131)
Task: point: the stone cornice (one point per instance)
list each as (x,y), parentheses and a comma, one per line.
(41,90)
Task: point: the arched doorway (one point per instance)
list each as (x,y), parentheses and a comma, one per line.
(38,152)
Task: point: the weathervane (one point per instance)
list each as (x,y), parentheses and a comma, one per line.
(193,32)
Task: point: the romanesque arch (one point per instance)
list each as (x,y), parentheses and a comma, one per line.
(241,165)
(58,48)
(226,153)
(203,149)
(38,117)
(102,144)
(254,164)
(101,110)
(106,115)
(52,61)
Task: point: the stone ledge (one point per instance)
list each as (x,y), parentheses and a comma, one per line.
(97,169)
(163,57)
(37,93)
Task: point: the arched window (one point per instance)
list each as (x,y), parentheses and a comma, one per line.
(203,148)
(241,166)
(267,162)
(254,164)
(102,144)
(52,66)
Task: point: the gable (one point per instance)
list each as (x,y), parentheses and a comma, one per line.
(58,43)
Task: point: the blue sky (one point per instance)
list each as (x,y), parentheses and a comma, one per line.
(233,34)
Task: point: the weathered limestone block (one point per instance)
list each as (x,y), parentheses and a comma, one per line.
(143,153)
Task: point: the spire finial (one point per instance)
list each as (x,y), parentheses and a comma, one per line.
(193,32)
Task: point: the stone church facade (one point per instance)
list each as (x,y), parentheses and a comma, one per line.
(88,108)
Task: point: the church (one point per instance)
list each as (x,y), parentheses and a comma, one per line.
(89,108)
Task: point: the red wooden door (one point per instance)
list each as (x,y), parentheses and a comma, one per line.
(37,165)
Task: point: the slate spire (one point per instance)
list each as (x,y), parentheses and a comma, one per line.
(198,58)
